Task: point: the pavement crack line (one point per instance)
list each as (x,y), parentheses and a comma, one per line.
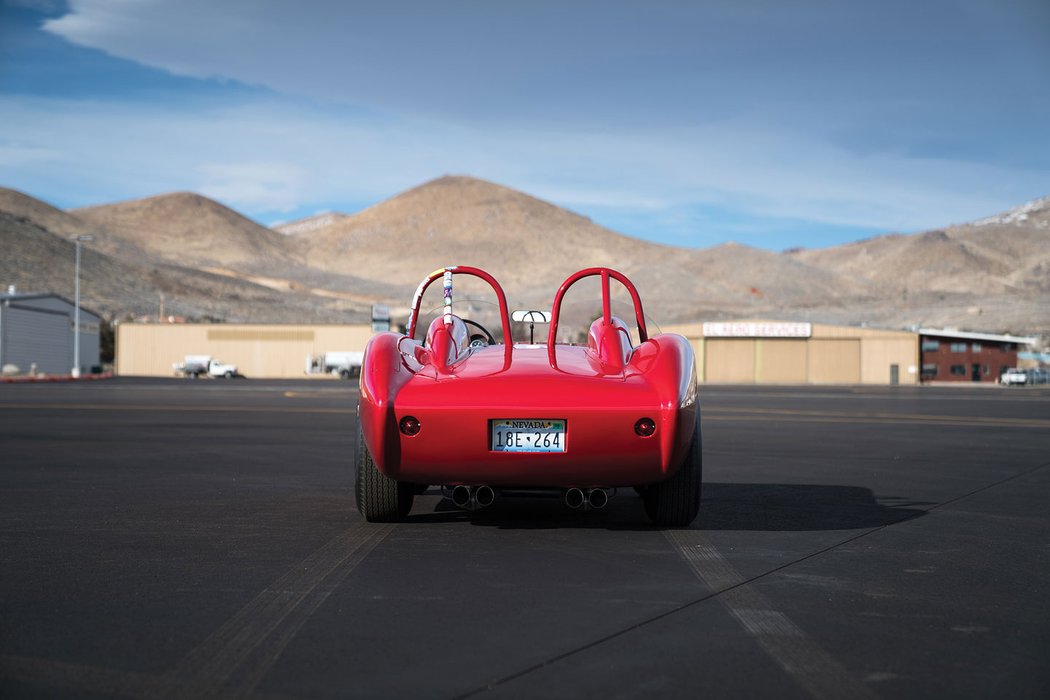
(813,668)
(823,676)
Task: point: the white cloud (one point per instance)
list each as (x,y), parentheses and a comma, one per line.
(255,185)
(268,158)
(637,112)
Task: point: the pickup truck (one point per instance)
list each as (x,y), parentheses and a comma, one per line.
(195,366)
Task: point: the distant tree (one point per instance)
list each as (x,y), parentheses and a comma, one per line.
(107,342)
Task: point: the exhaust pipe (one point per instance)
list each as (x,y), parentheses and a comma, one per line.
(473,497)
(580,499)
(575,498)
(484,496)
(597,498)
(463,497)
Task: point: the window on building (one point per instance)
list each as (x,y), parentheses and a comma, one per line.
(929,371)
(976,347)
(958,370)
(958,347)
(984,369)
(930,344)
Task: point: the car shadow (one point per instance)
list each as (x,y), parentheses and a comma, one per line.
(725,506)
(799,507)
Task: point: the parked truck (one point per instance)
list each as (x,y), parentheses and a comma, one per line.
(195,366)
(344,364)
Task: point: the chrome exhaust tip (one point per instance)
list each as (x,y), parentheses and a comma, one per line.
(575,498)
(463,497)
(597,498)
(484,496)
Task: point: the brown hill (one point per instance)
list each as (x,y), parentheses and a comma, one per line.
(531,246)
(188,229)
(21,206)
(208,260)
(521,240)
(993,274)
(39,257)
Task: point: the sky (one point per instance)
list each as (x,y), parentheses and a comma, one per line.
(772,123)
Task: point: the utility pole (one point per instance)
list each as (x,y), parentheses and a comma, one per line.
(82,238)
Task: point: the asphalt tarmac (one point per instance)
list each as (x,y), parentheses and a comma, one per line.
(167,538)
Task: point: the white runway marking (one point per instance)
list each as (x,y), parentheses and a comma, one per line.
(810,666)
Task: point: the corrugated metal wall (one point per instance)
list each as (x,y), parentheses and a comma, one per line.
(43,338)
(38,329)
(261,351)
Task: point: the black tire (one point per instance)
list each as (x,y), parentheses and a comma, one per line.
(676,502)
(379,498)
(228,375)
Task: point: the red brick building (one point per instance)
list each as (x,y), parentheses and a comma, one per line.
(960,356)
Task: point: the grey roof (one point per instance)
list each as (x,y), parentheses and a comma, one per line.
(969,335)
(23,296)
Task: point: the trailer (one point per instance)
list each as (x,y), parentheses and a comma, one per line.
(343,364)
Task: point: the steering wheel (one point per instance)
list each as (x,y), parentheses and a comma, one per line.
(477,342)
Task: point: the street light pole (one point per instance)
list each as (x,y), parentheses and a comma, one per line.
(82,238)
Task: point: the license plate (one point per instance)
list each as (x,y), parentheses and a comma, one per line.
(527,435)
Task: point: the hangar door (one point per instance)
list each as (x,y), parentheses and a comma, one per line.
(834,361)
(729,360)
(782,361)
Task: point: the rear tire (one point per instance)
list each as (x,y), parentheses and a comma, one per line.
(676,502)
(379,498)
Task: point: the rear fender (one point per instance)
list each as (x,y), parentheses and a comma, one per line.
(668,363)
(384,372)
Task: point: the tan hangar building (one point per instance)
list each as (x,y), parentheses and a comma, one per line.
(779,352)
(736,352)
(263,351)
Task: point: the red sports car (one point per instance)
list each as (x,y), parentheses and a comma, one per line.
(479,417)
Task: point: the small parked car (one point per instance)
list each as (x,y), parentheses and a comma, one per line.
(1013,376)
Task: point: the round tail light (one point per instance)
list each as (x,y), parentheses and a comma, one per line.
(409,425)
(645,427)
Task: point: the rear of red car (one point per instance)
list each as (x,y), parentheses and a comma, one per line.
(532,422)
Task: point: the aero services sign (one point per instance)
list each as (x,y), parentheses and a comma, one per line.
(756,329)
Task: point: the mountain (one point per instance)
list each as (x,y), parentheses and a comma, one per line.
(209,261)
(19,205)
(531,246)
(462,220)
(186,228)
(37,256)
(998,266)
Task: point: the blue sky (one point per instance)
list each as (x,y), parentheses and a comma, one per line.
(771,123)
